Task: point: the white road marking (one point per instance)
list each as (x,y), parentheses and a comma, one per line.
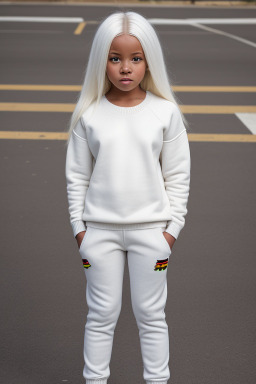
(153,21)
(217,31)
(248,20)
(198,24)
(202,21)
(42,19)
(249,120)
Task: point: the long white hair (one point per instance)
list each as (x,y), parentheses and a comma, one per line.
(96,82)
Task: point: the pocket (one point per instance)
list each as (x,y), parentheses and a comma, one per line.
(84,239)
(167,246)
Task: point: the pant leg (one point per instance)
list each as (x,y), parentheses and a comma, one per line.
(148,254)
(104,262)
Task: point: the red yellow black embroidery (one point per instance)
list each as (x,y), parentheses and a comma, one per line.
(86,263)
(161,265)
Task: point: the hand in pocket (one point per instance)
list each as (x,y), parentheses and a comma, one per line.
(169,238)
(79,238)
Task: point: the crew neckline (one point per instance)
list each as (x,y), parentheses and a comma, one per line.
(133,109)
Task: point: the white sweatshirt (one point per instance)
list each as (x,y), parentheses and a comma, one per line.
(129,165)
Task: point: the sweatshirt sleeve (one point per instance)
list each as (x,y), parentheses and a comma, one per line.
(176,164)
(79,167)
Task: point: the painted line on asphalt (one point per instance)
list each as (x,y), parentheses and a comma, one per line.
(27,135)
(77,88)
(79,29)
(196,22)
(37,107)
(226,34)
(249,120)
(198,137)
(156,21)
(40,87)
(231,138)
(217,109)
(62,107)
(205,88)
(159,21)
(35,19)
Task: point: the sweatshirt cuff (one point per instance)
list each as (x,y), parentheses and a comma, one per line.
(78,226)
(173,228)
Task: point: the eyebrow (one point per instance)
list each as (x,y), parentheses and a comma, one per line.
(134,53)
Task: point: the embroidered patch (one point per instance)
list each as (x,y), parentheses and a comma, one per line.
(86,263)
(161,265)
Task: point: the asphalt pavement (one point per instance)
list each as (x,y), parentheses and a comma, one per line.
(211,311)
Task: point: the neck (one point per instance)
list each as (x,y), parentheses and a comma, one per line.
(116,94)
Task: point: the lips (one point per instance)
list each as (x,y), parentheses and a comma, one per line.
(126,79)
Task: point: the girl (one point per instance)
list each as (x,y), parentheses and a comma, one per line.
(128,175)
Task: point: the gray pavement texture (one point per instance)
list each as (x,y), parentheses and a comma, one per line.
(211,310)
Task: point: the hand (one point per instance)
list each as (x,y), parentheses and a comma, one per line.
(169,238)
(79,238)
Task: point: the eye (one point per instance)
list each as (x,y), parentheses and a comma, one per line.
(137,57)
(113,59)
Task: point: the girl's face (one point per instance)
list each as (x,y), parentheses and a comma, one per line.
(126,59)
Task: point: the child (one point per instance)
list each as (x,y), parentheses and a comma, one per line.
(128,176)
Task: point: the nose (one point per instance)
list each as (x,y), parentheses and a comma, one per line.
(125,67)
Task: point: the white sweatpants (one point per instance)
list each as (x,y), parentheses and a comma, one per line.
(103,253)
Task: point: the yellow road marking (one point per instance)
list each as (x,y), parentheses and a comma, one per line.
(37,107)
(192,88)
(62,107)
(217,109)
(33,87)
(80,28)
(222,137)
(26,135)
(75,88)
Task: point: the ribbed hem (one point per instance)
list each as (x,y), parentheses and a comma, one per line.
(96,381)
(113,226)
(156,382)
(173,228)
(78,226)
